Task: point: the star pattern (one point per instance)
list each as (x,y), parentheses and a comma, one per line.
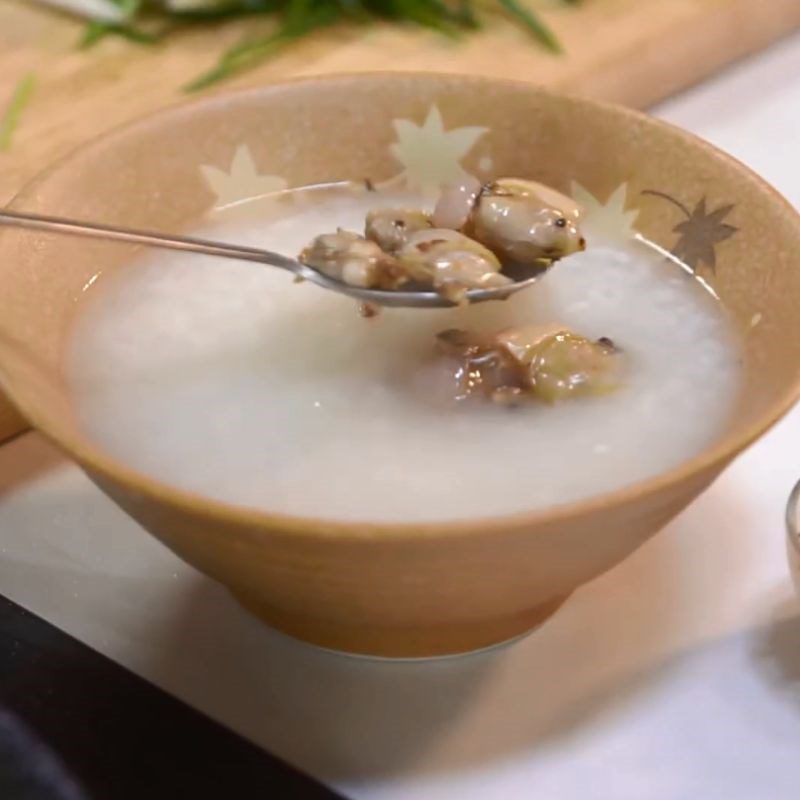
(242,181)
(612,220)
(429,154)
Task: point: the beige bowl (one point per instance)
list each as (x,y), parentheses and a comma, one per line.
(414,589)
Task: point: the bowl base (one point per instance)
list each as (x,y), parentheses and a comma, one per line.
(374,641)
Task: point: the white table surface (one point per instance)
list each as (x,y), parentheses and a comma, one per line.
(674,677)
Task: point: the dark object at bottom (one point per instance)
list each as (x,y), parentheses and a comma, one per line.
(80,727)
(28,769)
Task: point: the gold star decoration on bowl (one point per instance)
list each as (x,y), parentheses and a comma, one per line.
(242,181)
(609,221)
(429,154)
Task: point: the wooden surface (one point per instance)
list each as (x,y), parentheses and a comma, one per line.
(629,51)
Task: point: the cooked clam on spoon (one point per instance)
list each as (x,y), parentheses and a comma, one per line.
(520,221)
(390,228)
(451,263)
(476,233)
(354,260)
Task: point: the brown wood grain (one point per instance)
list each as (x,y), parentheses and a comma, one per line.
(634,52)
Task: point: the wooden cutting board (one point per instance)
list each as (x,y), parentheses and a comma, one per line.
(634,52)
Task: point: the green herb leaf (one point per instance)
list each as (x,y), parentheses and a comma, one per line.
(532,22)
(130,8)
(427,13)
(466,15)
(354,10)
(97,31)
(9,120)
(299,18)
(250,52)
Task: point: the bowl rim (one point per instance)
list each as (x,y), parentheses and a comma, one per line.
(92,458)
(791,518)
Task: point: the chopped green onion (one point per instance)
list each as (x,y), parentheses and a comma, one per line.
(250,51)
(532,22)
(9,120)
(96,31)
(298,18)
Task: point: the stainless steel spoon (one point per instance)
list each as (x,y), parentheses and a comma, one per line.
(379,297)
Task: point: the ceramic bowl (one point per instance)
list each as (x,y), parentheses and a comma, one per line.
(404,589)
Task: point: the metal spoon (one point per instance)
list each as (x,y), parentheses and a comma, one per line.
(380,297)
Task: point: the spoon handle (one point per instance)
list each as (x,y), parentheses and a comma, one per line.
(189,244)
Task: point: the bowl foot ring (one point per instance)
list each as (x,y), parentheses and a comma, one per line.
(439,641)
